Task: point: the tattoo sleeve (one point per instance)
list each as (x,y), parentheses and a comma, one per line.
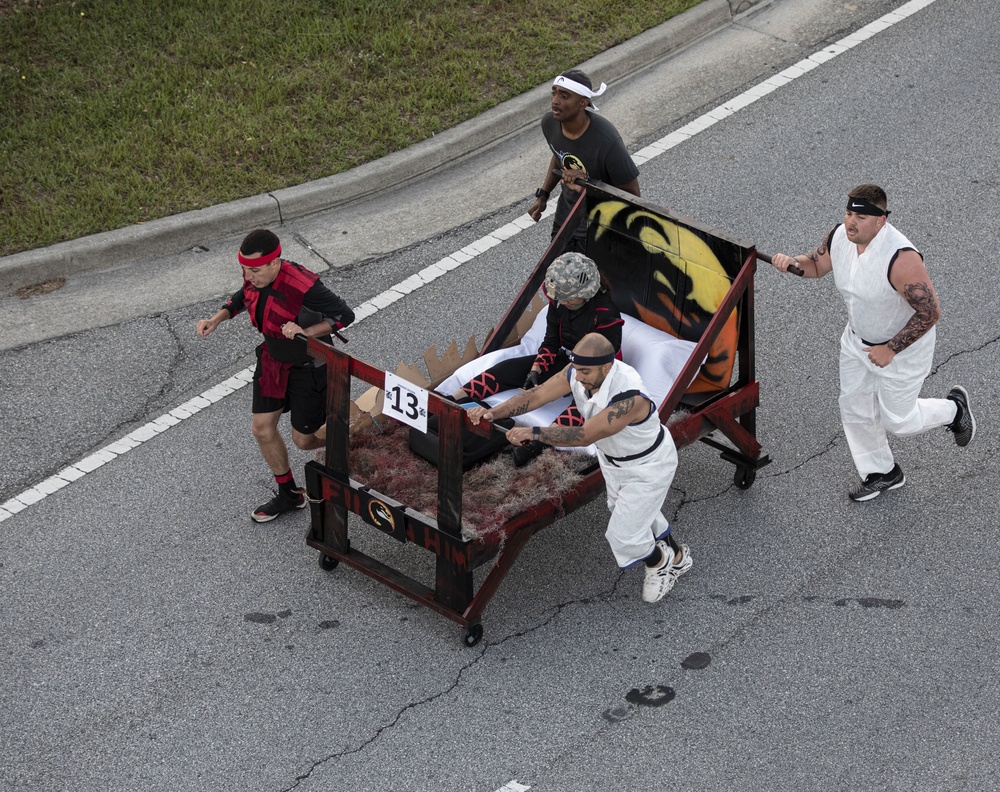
(562,435)
(921,299)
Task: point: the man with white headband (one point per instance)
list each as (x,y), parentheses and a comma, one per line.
(283,300)
(636,453)
(887,348)
(584,145)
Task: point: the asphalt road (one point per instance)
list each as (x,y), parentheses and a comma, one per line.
(155,638)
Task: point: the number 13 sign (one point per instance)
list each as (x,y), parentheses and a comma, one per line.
(405,402)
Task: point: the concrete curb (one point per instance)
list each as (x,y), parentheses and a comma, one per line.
(184,231)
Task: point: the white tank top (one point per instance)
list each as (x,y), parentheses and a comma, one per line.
(875,310)
(633,439)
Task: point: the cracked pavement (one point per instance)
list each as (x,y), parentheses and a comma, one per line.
(155,639)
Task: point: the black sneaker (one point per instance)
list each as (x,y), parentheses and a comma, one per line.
(964,425)
(877,483)
(278,505)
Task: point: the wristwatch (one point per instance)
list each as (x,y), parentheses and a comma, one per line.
(536,432)
(540,193)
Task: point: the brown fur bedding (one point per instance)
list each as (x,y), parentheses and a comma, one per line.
(493,492)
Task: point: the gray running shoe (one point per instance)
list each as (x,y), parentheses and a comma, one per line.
(877,483)
(964,425)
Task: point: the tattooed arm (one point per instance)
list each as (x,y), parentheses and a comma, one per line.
(814,264)
(607,422)
(550,390)
(909,277)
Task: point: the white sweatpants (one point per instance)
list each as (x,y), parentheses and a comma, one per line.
(636,491)
(876,400)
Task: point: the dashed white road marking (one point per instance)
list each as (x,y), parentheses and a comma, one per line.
(452,261)
(513,786)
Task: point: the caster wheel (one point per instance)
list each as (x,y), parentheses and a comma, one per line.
(744,477)
(327,564)
(473,635)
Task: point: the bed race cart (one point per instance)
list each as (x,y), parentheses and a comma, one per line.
(686,294)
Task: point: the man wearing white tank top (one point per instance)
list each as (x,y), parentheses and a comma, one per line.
(887,348)
(636,453)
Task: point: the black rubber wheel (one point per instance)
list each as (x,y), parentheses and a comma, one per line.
(744,477)
(326,563)
(473,635)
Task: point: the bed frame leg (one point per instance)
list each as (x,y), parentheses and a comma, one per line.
(453,587)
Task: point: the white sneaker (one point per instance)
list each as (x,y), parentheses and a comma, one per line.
(659,580)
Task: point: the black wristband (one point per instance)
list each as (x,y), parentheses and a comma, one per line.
(536,432)
(541,193)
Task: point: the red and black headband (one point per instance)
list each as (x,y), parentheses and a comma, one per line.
(260,261)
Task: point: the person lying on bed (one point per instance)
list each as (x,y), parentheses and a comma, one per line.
(579,303)
(637,454)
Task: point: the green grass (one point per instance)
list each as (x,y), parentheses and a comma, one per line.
(115,112)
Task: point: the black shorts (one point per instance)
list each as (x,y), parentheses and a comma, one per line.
(305,397)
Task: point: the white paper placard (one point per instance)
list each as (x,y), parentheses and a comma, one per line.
(405,402)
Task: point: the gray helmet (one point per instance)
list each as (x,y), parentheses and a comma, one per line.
(572,276)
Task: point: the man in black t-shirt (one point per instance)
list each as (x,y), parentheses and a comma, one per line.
(584,145)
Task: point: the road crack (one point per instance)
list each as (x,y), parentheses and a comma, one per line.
(546,621)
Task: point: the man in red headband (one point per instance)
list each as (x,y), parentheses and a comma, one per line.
(283,300)
(636,453)
(584,145)
(887,348)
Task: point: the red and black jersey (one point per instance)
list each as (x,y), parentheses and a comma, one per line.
(564,327)
(296,295)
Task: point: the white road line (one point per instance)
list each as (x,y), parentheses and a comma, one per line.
(513,786)
(452,261)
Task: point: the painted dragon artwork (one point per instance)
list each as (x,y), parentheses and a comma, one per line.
(670,275)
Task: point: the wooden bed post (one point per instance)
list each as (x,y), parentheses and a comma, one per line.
(453,587)
(331,527)
(747,346)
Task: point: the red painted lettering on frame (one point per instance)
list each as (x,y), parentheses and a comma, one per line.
(457,558)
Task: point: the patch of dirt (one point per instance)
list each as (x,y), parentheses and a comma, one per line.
(45,287)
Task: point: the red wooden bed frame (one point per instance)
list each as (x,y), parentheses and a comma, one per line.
(620,245)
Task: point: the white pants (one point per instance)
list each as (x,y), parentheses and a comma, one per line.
(636,491)
(876,400)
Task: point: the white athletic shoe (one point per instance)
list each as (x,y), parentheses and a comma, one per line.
(659,580)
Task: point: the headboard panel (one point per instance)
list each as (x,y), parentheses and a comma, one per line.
(668,272)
